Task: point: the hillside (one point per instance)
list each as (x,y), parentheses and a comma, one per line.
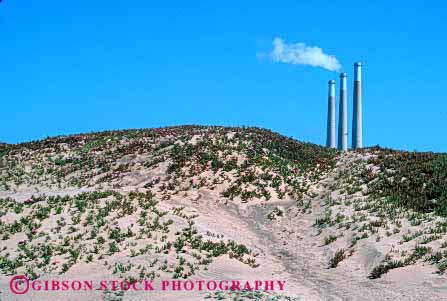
(197,202)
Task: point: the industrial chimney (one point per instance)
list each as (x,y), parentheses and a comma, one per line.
(343,114)
(330,138)
(357,135)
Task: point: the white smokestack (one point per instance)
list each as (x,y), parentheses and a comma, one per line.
(343,114)
(330,138)
(357,131)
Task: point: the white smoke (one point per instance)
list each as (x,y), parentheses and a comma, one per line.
(301,54)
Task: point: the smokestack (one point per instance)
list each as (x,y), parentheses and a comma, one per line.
(357,134)
(343,114)
(330,140)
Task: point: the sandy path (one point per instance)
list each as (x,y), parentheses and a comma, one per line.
(294,241)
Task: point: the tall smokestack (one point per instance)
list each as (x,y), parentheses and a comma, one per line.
(330,140)
(343,114)
(357,135)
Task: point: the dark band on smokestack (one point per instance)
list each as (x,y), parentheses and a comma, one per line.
(357,131)
(330,137)
(343,114)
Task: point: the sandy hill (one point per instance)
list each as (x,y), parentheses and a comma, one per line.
(196,202)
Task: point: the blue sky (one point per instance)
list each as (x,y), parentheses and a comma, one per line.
(80,66)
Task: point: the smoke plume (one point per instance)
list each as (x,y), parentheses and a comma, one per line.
(301,54)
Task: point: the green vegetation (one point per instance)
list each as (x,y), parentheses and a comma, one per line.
(240,295)
(416,181)
(107,236)
(382,190)
(287,167)
(338,257)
